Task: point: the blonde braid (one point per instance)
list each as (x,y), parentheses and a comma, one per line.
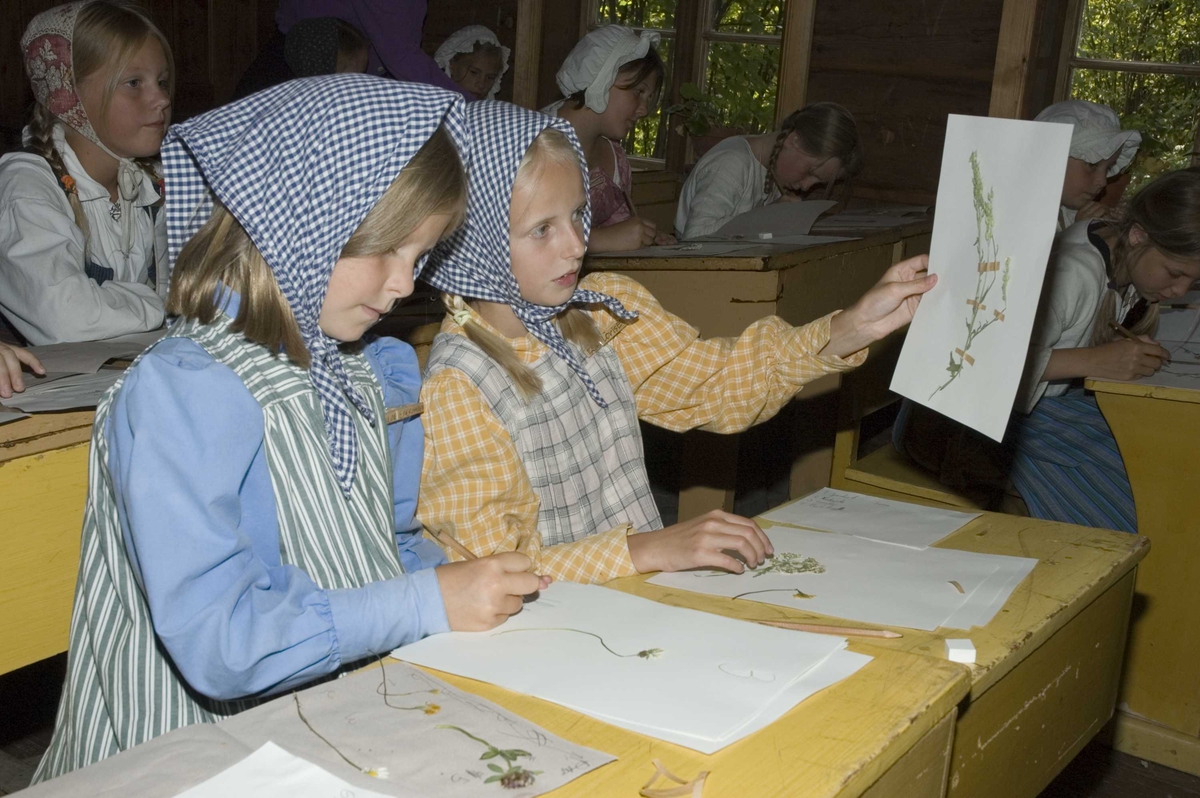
(41,135)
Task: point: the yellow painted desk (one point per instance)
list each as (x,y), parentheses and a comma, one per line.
(1158,432)
(722,296)
(43,485)
(1047,670)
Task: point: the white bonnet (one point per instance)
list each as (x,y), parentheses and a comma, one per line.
(1097,133)
(593,64)
(464,41)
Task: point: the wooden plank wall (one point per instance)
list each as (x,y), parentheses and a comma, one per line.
(901,67)
(213,42)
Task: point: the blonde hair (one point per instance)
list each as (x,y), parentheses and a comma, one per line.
(824,130)
(107,33)
(222,254)
(551,146)
(1168,210)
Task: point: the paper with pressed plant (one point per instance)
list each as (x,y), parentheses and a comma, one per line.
(994,223)
(689,677)
(400,731)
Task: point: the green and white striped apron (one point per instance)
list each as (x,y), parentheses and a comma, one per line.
(122,688)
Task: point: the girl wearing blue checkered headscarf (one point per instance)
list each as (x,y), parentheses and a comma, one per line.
(536,383)
(249,525)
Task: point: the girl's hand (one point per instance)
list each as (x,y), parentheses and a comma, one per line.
(1094,210)
(11,379)
(701,542)
(885,308)
(633,233)
(481,594)
(1128,360)
(664,239)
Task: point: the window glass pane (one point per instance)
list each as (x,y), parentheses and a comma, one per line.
(648,139)
(636,13)
(742,79)
(1162,107)
(732,16)
(1138,30)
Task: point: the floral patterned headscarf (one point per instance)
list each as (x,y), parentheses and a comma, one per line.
(47,49)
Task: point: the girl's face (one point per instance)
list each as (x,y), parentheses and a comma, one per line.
(799,172)
(475,72)
(1158,275)
(627,105)
(1085,181)
(140,108)
(545,233)
(363,290)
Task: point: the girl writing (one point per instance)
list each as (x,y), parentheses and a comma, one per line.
(537,380)
(610,81)
(82,239)
(1066,463)
(249,525)
(816,146)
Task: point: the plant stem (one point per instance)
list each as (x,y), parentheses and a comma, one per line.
(563,629)
(346,759)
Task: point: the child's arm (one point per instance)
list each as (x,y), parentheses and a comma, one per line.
(11,379)
(44,291)
(1116,360)
(473,478)
(198,512)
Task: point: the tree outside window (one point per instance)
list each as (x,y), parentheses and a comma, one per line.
(1140,57)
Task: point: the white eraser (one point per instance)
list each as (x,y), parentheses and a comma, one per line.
(766,235)
(960,650)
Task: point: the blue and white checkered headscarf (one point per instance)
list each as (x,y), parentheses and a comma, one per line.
(475,262)
(300,165)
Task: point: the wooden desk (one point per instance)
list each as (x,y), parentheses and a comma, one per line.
(43,486)
(1048,665)
(723,296)
(1157,429)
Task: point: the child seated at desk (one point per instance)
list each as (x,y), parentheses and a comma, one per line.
(1066,463)
(474,59)
(82,238)
(536,383)
(611,80)
(249,526)
(1100,151)
(816,146)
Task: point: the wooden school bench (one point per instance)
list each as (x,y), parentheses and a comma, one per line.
(1158,431)
(721,296)
(43,486)
(1048,665)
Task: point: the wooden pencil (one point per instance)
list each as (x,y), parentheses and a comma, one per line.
(447,539)
(823,629)
(1120,330)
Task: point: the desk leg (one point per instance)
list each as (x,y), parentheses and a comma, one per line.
(1161,682)
(707,473)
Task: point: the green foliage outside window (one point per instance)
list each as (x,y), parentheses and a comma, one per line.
(1163,107)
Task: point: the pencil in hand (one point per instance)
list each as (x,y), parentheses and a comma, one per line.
(1128,336)
(446,539)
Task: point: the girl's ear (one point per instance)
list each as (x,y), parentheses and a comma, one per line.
(1137,236)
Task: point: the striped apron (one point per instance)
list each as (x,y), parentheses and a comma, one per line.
(122,688)
(585,462)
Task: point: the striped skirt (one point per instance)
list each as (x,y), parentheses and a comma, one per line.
(1066,465)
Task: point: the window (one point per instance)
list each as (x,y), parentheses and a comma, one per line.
(1140,58)
(737,46)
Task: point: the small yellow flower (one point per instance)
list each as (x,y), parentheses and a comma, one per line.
(432,709)
(377,772)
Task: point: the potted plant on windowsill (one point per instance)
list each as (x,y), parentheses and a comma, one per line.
(699,118)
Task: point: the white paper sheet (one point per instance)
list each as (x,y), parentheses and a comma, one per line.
(1178,325)
(1174,375)
(419,732)
(271,772)
(64,393)
(628,660)
(861,579)
(86,357)
(7,415)
(990,597)
(912,525)
(778,218)
(860,221)
(966,348)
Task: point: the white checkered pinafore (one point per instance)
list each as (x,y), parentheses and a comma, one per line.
(585,462)
(122,689)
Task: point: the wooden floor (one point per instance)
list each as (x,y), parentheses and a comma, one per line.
(28,698)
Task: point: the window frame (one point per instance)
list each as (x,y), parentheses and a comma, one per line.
(1069,60)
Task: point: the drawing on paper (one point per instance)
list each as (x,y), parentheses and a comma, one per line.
(646,653)
(989,273)
(784,562)
(512,776)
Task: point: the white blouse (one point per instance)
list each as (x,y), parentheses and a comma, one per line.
(726,182)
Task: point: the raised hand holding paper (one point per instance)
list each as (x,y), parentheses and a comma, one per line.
(997,206)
